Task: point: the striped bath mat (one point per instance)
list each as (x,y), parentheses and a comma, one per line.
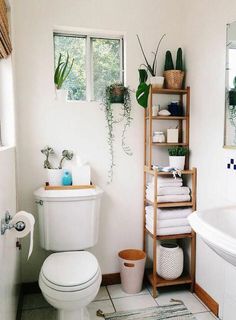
(170,312)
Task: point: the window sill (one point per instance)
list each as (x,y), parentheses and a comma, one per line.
(4,148)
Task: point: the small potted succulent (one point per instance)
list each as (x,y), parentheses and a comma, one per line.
(62,71)
(152,67)
(177,157)
(174,75)
(54,175)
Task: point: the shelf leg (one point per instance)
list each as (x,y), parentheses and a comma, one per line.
(154,292)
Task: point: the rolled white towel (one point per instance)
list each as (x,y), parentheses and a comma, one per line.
(169,198)
(170,213)
(162,191)
(167,223)
(169,231)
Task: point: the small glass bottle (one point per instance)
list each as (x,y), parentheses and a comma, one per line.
(67,179)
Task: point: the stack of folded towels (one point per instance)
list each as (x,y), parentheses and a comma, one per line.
(169,221)
(169,190)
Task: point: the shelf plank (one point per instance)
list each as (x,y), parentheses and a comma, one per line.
(168,118)
(171,236)
(152,172)
(171,204)
(169,91)
(165,144)
(158,282)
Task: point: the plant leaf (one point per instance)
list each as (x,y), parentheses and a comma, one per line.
(142,94)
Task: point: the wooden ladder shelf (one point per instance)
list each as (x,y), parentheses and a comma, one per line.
(188,277)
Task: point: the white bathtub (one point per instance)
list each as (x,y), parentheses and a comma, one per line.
(217,228)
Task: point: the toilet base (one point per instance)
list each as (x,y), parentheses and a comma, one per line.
(78,314)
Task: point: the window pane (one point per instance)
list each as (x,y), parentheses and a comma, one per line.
(232,64)
(76,81)
(106,64)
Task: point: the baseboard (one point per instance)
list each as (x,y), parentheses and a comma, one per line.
(111,278)
(207,299)
(20,304)
(33,287)
(30,288)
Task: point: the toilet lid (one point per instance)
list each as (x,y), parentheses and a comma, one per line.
(69,269)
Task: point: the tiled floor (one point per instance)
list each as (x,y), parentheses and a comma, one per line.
(112,298)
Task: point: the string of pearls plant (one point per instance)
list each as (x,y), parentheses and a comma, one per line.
(117,93)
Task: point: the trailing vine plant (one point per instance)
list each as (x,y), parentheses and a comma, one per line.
(117,93)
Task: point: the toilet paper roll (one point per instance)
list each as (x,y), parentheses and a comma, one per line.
(28,219)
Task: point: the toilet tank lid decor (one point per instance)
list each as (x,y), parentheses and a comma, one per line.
(62,195)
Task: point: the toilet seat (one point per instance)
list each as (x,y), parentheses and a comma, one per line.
(70,271)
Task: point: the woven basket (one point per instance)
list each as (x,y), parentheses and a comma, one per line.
(174,79)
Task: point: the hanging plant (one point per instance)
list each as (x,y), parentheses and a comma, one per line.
(117,93)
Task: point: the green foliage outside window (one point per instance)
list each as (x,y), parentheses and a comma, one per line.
(104,66)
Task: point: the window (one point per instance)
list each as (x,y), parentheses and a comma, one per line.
(98,62)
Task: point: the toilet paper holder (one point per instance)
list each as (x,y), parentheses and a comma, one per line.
(7,225)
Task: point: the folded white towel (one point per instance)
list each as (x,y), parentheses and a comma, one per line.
(167,223)
(168,198)
(168,179)
(162,191)
(170,213)
(166,184)
(169,231)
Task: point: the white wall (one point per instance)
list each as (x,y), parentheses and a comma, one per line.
(9,254)
(7,114)
(81,126)
(205,38)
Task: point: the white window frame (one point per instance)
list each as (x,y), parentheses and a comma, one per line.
(89,56)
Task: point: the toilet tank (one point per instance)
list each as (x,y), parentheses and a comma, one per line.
(68,219)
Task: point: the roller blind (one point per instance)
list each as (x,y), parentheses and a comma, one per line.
(5,42)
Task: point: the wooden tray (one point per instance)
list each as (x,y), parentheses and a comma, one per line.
(69,187)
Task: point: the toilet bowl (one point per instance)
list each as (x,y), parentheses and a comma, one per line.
(69,281)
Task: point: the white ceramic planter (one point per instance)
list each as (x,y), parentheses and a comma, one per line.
(158,81)
(61,94)
(170,261)
(54,177)
(177,162)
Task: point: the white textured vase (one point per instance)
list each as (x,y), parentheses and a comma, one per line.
(158,81)
(170,261)
(177,162)
(54,177)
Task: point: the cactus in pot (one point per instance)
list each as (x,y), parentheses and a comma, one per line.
(169,65)
(174,76)
(179,60)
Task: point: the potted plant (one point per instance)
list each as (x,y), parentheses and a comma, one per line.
(174,76)
(54,175)
(117,93)
(62,71)
(152,67)
(177,157)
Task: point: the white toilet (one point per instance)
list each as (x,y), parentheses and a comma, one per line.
(68,222)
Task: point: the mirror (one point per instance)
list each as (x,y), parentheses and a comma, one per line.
(230,87)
